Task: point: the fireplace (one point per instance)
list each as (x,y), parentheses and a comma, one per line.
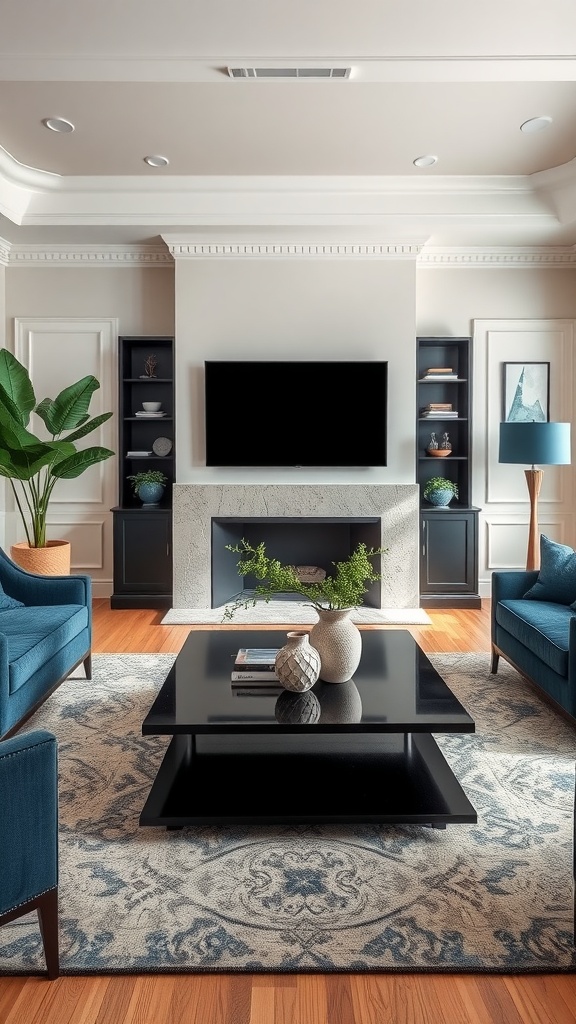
(301,524)
(316,541)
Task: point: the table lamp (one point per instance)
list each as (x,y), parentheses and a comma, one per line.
(533,443)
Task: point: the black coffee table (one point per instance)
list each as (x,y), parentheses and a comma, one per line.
(370,757)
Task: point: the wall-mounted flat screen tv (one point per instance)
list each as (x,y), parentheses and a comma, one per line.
(317,414)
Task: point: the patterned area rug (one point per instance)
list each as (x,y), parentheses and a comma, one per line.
(493,897)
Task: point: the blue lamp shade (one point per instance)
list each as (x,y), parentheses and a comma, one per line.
(535,444)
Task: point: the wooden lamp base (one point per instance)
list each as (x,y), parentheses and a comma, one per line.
(534,481)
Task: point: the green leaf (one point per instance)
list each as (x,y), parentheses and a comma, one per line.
(14,436)
(77,463)
(87,428)
(48,413)
(27,462)
(15,381)
(70,407)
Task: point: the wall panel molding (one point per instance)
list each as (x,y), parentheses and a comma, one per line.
(500,490)
(58,351)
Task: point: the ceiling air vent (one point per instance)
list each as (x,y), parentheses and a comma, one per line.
(289,72)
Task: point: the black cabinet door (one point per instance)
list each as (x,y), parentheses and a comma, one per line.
(448,566)
(142,558)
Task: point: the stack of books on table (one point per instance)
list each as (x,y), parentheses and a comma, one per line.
(439,411)
(254,666)
(440,373)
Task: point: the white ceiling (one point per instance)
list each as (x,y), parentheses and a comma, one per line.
(309,158)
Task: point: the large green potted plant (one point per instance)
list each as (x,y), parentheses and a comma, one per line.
(33,464)
(336,638)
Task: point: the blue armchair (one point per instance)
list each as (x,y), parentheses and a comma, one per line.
(45,633)
(29,835)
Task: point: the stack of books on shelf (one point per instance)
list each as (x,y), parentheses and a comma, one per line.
(440,373)
(254,666)
(138,455)
(439,411)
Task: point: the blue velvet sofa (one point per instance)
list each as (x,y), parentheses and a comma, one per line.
(45,633)
(537,637)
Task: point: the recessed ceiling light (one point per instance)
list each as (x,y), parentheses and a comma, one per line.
(58,124)
(536,124)
(156,161)
(425,161)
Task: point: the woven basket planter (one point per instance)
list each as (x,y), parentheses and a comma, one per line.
(53,560)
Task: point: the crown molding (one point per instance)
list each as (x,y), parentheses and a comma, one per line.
(270,250)
(425,257)
(554,257)
(88,255)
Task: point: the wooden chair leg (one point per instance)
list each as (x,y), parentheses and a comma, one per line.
(48,921)
(88,666)
(494,662)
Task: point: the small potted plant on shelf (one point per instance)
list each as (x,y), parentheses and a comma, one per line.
(440,491)
(149,485)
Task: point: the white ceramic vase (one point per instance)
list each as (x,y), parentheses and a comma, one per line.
(297,664)
(338,642)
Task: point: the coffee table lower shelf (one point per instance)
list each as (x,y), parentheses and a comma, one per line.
(322,778)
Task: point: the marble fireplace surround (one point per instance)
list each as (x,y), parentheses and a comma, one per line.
(195,506)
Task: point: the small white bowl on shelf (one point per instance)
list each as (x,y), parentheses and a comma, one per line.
(151,406)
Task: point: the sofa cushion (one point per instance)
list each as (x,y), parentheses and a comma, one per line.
(557,577)
(542,627)
(35,634)
(7,602)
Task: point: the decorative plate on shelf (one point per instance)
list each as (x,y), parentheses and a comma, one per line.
(162,446)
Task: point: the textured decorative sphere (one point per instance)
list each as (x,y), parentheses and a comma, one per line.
(297,664)
(440,497)
(297,708)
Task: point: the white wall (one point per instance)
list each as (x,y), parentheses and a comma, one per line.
(449,300)
(291,308)
(512,315)
(140,301)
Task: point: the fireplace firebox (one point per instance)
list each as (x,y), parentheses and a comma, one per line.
(319,541)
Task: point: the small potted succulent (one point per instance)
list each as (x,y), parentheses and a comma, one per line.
(440,491)
(149,485)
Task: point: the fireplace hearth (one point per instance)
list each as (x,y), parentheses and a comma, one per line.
(300,524)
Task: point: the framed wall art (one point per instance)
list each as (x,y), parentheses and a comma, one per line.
(526,392)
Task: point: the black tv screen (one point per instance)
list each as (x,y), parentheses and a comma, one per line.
(318,414)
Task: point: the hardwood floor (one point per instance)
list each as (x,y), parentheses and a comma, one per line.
(288,999)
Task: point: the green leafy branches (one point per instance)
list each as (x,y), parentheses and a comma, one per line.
(344,589)
(35,464)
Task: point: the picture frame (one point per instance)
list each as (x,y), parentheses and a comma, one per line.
(526,392)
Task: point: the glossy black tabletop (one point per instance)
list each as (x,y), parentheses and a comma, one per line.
(395,689)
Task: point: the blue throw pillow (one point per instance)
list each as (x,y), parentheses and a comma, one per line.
(7,602)
(557,577)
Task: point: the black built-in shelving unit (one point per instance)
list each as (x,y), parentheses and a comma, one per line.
(449,535)
(143,533)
